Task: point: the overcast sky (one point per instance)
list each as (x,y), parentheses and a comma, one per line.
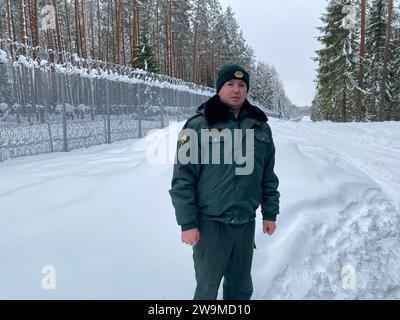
(282,33)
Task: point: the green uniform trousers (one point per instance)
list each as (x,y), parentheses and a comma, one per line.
(224,250)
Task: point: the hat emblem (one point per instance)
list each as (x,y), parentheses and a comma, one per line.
(239,74)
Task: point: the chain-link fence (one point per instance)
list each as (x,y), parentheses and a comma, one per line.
(45,110)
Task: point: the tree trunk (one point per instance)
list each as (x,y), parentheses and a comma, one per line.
(83,30)
(167,43)
(123,61)
(77,29)
(343,112)
(360,108)
(134,33)
(213,69)
(194,69)
(385,61)
(92,43)
(34,25)
(11,33)
(118,30)
(99,53)
(158,34)
(108,33)
(113,33)
(68,28)
(137,30)
(169,40)
(173,54)
(22,26)
(51,44)
(57,32)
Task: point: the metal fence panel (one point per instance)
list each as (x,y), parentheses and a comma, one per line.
(43,111)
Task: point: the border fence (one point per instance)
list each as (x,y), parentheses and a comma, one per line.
(44,109)
(73,103)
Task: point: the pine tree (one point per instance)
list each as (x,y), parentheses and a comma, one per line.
(385,95)
(23,26)
(60,47)
(135,30)
(232,51)
(67,29)
(375,46)
(236,49)
(392,109)
(267,89)
(200,40)
(360,90)
(188,39)
(336,67)
(145,57)
(182,38)
(118,8)
(218,37)
(262,85)
(10,24)
(319,106)
(78,43)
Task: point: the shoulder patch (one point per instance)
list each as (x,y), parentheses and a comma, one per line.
(183,139)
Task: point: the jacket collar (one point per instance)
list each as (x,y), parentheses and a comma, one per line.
(216,111)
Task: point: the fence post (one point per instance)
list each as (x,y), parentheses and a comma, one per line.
(139,111)
(108,112)
(64,111)
(162,108)
(50,137)
(104,102)
(179,107)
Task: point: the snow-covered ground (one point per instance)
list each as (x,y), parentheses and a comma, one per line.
(102,217)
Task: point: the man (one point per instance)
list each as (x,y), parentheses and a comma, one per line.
(214,205)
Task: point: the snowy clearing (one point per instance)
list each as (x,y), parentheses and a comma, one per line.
(103,218)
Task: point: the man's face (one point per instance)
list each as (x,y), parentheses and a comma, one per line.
(233,93)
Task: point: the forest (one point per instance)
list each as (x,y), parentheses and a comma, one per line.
(185,39)
(358,76)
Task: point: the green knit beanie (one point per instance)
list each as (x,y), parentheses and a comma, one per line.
(232,71)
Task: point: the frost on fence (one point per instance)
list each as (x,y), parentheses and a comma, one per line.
(44,111)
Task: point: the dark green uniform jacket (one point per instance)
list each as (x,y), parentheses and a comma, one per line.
(214,191)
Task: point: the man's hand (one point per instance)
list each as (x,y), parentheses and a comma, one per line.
(190,237)
(269,226)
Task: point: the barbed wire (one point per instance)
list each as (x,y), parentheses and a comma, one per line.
(64,58)
(42,111)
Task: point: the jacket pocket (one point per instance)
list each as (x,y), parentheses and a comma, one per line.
(261,145)
(261,136)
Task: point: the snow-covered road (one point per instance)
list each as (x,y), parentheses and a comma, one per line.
(103,218)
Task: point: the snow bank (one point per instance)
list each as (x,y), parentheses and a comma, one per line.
(103,218)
